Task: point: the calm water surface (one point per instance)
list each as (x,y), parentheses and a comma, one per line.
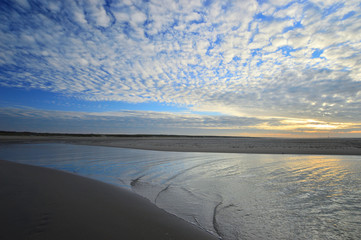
(235,196)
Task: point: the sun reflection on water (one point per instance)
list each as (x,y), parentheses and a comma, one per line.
(318,174)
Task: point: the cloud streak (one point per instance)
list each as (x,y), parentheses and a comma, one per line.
(241,58)
(162,122)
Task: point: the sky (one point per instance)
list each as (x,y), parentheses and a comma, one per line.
(272,68)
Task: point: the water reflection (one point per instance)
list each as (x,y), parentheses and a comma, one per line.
(237,196)
(313,174)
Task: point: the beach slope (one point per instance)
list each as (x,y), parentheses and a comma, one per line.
(41,203)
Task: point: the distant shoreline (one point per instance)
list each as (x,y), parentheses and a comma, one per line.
(179,143)
(40,134)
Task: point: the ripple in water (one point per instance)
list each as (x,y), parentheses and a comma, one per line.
(236,196)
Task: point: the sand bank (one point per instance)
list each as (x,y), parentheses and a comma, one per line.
(329,146)
(40,203)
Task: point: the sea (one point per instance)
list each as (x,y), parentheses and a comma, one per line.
(231,195)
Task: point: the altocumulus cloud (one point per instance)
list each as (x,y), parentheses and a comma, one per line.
(251,58)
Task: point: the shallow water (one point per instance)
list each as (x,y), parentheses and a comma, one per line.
(236,196)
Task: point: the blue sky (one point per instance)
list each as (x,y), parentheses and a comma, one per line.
(242,68)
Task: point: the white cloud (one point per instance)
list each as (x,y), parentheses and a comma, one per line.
(225,57)
(267,8)
(326,3)
(295,12)
(279,2)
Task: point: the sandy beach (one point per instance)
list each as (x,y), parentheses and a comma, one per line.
(324,146)
(40,203)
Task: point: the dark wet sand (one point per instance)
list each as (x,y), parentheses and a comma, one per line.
(40,203)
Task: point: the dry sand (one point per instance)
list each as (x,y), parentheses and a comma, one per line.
(329,146)
(40,203)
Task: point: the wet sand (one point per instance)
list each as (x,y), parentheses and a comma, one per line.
(328,146)
(40,203)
